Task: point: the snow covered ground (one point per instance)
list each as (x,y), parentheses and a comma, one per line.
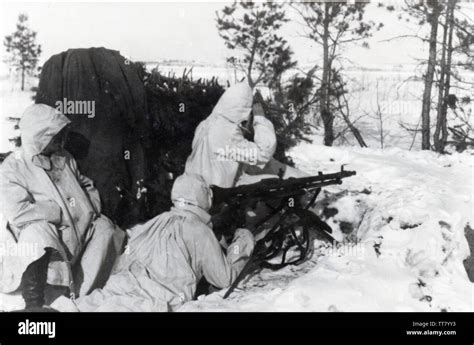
(408,211)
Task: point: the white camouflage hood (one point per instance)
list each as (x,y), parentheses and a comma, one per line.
(191,189)
(235,104)
(38,125)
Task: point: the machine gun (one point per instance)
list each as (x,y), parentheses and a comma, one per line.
(290,221)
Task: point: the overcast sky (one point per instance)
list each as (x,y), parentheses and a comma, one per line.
(178,30)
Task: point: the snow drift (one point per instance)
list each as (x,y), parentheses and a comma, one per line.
(401,220)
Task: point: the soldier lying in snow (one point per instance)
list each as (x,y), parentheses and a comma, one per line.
(54,213)
(169,254)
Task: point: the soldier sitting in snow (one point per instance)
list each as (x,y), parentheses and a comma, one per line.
(55,212)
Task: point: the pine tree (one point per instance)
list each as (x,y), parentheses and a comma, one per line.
(251,30)
(23,48)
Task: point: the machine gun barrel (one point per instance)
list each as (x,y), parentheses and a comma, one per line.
(276,187)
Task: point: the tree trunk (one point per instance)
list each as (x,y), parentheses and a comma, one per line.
(447,84)
(355,131)
(326,115)
(441,133)
(23,79)
(439,118)
(381,132)
(425,111)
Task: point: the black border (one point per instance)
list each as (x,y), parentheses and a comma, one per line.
(238,328)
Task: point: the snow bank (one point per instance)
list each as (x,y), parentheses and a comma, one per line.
(406,213)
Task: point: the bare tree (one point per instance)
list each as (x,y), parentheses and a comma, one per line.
(333,25)
(456,39)
(379,116)
(342,107)
(432,11)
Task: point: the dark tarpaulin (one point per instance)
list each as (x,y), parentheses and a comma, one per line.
(109,147)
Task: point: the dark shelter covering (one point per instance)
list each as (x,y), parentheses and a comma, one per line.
(109,143)
(176,106)
(142,129)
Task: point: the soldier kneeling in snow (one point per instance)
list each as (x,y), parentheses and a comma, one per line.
(53,212)
(221,153)
(225,158)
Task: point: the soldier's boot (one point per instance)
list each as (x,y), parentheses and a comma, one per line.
(33,283)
